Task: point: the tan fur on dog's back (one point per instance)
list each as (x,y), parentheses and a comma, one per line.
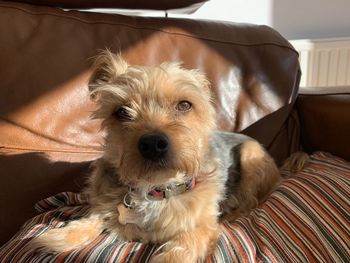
(259,169)
(259,176)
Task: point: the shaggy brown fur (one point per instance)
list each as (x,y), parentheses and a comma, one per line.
(295,163)
(174,104)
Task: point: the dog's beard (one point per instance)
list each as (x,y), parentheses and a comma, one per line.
(134,169)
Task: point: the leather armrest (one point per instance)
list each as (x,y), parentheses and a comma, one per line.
(325,120)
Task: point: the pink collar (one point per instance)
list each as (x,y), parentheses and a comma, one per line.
(159,193)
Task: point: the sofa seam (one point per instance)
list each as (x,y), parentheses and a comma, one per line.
(29,149)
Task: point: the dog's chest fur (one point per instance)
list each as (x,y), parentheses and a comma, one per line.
(153,220)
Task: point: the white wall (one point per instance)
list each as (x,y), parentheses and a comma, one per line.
(294,19)
(246,11)
(299,19)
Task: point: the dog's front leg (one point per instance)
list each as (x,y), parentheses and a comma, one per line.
(188,246)
(72,236)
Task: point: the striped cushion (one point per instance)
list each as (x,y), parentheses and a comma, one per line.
(305,220)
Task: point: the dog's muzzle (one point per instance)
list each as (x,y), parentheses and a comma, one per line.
(154,147)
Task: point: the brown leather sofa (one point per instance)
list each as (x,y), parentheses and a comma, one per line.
(47,139)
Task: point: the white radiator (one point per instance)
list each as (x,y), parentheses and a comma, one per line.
(324,62)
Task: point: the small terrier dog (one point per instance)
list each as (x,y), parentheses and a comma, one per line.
(166,176)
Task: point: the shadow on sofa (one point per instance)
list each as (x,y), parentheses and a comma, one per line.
(19,192)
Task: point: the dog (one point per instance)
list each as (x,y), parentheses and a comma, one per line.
(167,176)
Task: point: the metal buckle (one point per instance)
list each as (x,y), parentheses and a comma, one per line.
(175,190)
(128,201)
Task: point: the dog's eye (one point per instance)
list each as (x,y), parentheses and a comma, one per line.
(122,114)
(184,106)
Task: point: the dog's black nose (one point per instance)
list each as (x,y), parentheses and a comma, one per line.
(153,146)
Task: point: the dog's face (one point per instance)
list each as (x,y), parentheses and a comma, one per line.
(158,119)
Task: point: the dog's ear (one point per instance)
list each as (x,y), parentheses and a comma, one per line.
(202,81)
(106,68)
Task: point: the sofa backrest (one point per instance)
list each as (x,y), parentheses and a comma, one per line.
(47,139)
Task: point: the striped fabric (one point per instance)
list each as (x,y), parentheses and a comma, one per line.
(305,220)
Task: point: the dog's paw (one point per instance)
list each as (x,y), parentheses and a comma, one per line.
(170,252)
(72,236)
(53,240)
(167,258)
(63,239)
